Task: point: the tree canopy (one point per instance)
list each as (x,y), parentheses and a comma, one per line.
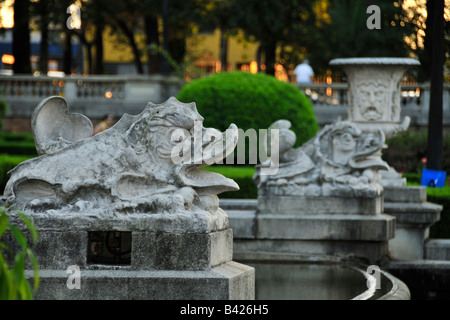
(286,31)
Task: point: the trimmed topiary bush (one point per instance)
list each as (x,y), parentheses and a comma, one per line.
(251,101)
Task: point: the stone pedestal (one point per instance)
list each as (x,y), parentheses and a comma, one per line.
(138,256)
(130,211)
(344,227)
(414,216)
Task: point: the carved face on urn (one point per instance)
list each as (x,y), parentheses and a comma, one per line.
(374,91)
(371,98)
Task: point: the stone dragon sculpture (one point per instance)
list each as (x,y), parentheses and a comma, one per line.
(127,168)
(341,160)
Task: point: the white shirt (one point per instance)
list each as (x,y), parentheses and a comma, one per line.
(303,73)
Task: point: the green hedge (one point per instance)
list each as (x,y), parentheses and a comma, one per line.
(17,144)
(243,177)
(8,162)
(251,101)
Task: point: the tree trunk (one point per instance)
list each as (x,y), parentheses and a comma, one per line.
(165,67)
(434,149)
(99,66)
(152,38)
(43,54)
(90,67)
(21,38)
(134,48)
(258,57)
(270,56)
(428,41)
(223,50)
(88,46)
(177,49)
(67,52)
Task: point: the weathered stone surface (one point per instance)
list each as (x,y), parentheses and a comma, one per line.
(325,197)
(229,281)
(127,168)
(374,99)
(340,161)
(54,128)
(437,249)
(150,251)
(320,205)
(416,194)
(374,92)
(372,252)
(414,217)
(326,227)
(119,206)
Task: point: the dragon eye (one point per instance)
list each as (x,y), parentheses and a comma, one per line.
(136,127)
(347,137)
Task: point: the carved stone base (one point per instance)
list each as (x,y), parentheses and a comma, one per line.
(391,178)
(138,256)
(229,281)
(358,236)
(414,217)
(320,205)
(353,236)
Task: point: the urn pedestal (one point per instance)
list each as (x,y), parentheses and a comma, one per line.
(374,103)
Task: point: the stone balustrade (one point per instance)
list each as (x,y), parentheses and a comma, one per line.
(335,94)
(93,96)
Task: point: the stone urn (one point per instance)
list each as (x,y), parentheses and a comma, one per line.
(374,92)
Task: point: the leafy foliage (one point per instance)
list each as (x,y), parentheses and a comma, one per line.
(272,24)
(407,151)
(13,282)
(346,34)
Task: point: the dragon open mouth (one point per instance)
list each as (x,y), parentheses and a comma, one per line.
(370,156)
(192,174)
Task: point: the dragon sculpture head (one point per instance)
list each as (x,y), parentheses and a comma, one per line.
(130,167)
(341,160)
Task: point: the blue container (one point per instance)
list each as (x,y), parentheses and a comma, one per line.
(433,178)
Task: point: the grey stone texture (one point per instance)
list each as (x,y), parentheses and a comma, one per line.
(164,265)
(117,205)
(229,281)
(437,249)
(414,216)
(325,197)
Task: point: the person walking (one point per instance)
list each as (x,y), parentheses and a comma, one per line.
(304,73)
